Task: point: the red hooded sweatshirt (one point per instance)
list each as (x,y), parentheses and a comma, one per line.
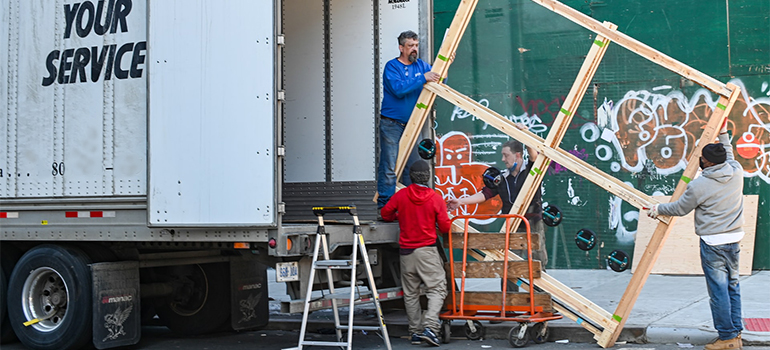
(418,210)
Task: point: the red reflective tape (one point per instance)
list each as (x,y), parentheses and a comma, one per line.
(89,214)
(3,215)
(757,324)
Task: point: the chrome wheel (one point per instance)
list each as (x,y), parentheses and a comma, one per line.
(45,298)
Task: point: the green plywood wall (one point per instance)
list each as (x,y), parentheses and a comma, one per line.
(637,120)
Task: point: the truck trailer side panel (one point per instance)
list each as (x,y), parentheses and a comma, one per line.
(74,121)
(211,107)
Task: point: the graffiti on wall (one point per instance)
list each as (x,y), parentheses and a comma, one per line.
(531,120)
(650,126)
(647,133)
(458,176)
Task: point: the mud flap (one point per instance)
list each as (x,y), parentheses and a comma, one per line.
(116,320)
(248,292)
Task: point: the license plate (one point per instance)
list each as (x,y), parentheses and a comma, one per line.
(286,272)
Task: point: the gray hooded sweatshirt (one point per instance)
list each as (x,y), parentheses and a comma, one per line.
(716,196)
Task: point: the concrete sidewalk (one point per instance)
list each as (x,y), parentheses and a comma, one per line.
(670,309)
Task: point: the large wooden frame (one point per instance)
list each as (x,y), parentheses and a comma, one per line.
(605,326)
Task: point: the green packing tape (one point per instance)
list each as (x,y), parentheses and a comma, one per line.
(599,43)
(566,112)
(442,58)
(721,106)
(685,179)
(532,172)
(441,80)
(537,170)
(421,106)
(617,318)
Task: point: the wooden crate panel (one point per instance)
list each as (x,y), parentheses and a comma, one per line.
(680,254)
(492,299)
(493,241)
(494,269)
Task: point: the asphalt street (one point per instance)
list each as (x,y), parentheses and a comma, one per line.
(160,338)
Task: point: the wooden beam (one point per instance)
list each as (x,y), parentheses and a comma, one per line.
(581,304)
(634,288)
(441,67)
(579,320)
(567,160)
(531,185)
(637,47)
(494,269)
(492,241)
(565,311)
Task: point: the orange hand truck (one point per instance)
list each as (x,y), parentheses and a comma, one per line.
(474,307)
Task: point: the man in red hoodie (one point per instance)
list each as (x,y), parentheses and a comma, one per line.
(419,210)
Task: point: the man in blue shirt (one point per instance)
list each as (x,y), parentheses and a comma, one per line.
(403,79)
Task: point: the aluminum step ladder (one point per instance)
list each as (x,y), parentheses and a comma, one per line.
(326,264)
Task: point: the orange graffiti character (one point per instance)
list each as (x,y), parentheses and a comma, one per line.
(457,176)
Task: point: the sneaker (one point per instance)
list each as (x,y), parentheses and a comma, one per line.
(730,344)
(416,339)
(429,336)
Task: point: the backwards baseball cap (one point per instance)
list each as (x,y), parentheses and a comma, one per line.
(715,153)
(419,172)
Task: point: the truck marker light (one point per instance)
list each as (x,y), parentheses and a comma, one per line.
(241,245)
(288,244)
(272,243)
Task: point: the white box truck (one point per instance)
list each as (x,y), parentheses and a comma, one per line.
(158,155)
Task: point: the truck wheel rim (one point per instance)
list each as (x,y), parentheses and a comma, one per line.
(196,295)
(45,296)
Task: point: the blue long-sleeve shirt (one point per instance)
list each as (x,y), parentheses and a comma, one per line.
(402,85)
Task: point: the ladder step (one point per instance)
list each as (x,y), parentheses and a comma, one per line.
(362,328)
(340,295)
(333,264)
(324,343)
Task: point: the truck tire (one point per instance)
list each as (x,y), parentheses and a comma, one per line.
(205,304)
(51,282)
(9,255)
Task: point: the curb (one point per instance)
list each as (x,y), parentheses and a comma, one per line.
(557,331)
(699,336)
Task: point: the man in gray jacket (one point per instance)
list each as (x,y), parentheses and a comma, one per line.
(717,197)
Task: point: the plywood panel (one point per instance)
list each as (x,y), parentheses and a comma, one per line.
(493,241)
(494,269)
(493,300)
(681,252)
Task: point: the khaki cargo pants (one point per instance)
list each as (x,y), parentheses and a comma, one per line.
(423,265)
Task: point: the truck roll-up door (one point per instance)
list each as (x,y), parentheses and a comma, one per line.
(211,113)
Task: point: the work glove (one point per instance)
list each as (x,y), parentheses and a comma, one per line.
(653,211)
(724,127)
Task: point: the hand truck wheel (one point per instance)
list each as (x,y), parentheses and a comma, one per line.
(539,332)
(478,334)
(518,336)
(446,331)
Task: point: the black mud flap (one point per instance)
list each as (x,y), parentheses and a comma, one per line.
(248,281)
(116,319)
